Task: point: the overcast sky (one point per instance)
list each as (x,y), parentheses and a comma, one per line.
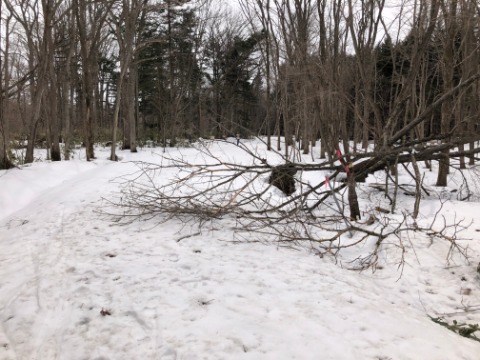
(396,14)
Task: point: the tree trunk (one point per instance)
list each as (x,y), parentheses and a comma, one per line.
(31,137)
(447,70)
(352,197)
(55,151)
(89,37)
(67,97)
(113,155)
(131,101)
(5,162)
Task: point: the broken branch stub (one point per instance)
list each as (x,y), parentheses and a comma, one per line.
(282,177)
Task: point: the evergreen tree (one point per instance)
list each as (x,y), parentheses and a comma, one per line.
(168,71)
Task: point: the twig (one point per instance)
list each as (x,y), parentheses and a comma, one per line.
(188,236)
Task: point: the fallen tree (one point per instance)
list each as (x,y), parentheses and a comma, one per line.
(311,213)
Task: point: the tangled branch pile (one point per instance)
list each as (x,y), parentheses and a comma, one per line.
(310,211)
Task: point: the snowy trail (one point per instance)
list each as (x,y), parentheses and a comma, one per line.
(34,244)
(76,286)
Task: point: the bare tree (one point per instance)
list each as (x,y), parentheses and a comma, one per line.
(467,109)
(90,17)
(52,11)
(126,19)
(261,10)
(364,25)
(449,13)
(333,78)
(66,30)
(24,12)
(5,162)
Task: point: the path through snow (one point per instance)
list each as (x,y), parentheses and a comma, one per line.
(74,285)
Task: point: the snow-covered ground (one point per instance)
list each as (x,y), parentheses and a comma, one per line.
(76,285)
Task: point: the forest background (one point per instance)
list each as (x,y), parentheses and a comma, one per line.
(399,75)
